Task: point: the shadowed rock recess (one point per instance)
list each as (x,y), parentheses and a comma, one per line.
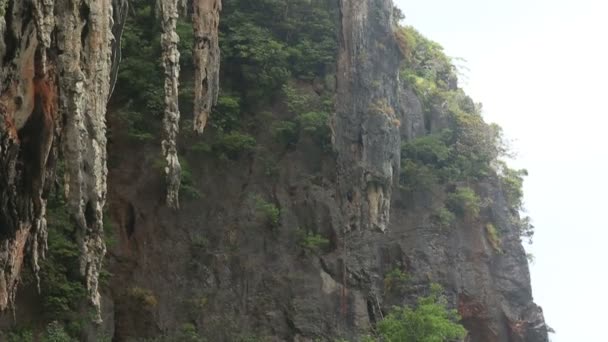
(342,173)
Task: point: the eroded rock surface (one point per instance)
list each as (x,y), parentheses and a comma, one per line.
(216,262)
(366,130)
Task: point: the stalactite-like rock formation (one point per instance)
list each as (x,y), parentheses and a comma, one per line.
(59,64)
(85,66)
(55,83)
(206,54)
(169,39)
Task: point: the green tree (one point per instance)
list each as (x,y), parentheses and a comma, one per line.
(429,321)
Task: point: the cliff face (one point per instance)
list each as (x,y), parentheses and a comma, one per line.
(59,63)
(55,84)
(297,205)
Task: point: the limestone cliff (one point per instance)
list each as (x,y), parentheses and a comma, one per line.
(59,62)
(341,173)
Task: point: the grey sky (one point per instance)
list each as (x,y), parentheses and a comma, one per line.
(540,68)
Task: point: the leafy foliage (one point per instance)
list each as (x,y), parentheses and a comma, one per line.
(429,321)
(443,217)
(464,149)
(139,95)
(62,291)
(396,279)
(56,333)
(226,113)
(188,185)
(20,335)
(312,242)
(267,211)
(232,144)
(494,237)
(285,131)
(311,118)
(464,201)
(266,42)
(144,297)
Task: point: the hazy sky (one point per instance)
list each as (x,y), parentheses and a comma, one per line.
(540,68)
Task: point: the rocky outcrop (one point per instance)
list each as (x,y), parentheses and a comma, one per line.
(84,66)
(56,80)
(60,60)
(217,262)
(206,54)
(366,130)
(169,40)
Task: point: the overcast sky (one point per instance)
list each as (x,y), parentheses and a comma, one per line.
(540,68)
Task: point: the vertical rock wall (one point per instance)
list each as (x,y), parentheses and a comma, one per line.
(59,64)
(55,82)
(366,131)
(84,39)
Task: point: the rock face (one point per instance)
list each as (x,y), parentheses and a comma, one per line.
(60,60)
(239,261)
(169,40)
(55,84)
(366,133)
(206,54)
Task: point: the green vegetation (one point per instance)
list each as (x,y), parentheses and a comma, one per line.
(53,332)
(61,289)
(429,321)
(312,242)
(188,187)
(267,211)
(396,280)
(56,333)
(311,118)
(265,43)
(443,217)
(285,132)
(464,201)
(226,113)
(494,237)
(139,102)
(233,144)
(459,149)
(145,298)
(20,335)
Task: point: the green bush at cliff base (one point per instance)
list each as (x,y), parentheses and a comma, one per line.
(429,321)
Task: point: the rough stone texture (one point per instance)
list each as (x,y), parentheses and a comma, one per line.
(216,263)
(28,102)
(85,65)
(366,133)
(489,287)
(56,72)
(169,39)
(206,55)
